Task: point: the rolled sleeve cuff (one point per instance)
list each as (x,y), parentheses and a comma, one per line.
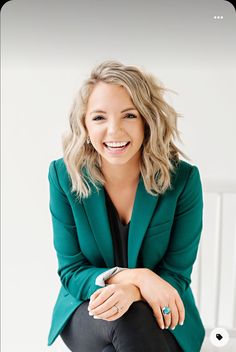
(100,279)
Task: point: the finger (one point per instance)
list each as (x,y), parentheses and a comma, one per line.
(159,317)
(166,317)
(181,309)
(122,311)
(116,315)
(174,316)
(105,306)
(95,295)
(102,297)
(94,298)
(108,314)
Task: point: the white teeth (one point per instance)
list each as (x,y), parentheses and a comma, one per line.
(122,144)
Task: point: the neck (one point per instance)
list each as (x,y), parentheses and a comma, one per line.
(118,176)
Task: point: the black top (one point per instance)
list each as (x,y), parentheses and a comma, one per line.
(119,233)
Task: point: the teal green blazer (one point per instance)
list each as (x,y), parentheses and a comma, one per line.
(164,236)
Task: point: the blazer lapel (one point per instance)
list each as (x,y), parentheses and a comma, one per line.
(95,207)
(144,206)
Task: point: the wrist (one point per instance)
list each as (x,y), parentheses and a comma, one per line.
(137,294)
(137,276)
(128,276)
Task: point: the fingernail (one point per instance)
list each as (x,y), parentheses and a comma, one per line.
(162,327)
(181,323)
(95,317)
(90,313)
(173,328)
(167,327)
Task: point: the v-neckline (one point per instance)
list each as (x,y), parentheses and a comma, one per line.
(117,214)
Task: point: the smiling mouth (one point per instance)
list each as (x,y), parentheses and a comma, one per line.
(123,147)
(116,148)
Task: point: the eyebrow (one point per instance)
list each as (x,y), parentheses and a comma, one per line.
(104,112)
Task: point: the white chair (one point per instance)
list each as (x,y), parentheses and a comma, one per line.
(214,272)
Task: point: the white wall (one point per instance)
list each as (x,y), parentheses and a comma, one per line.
(48,48)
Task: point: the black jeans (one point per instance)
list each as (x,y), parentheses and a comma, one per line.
(135,331)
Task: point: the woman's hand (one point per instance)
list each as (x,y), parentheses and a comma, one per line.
(103,301)
(159,293)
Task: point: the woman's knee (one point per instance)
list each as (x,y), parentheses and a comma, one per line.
(140,314)
(140,309)
(137,330)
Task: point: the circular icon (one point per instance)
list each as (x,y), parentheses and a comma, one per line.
(219,337)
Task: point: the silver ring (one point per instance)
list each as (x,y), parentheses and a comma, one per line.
(166,310)
(117,309)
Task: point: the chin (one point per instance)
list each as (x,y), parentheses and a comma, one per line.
(116,162)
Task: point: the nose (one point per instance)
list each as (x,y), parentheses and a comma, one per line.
(114,125)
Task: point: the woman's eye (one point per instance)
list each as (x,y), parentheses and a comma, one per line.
(97,117)
(134,116)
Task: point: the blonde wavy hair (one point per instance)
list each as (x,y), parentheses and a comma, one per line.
(159,154)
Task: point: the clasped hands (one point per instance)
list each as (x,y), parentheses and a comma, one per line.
(132,285)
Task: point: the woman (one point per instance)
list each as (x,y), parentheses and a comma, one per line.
(127,219)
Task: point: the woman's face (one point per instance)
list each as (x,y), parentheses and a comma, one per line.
(106,121)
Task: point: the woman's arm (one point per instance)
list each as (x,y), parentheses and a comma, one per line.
(177,264)
(76,273)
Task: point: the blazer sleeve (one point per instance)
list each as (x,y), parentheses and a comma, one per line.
(101,279)
(76,273)
(177,263)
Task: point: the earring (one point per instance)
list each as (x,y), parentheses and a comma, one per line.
(88,140)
